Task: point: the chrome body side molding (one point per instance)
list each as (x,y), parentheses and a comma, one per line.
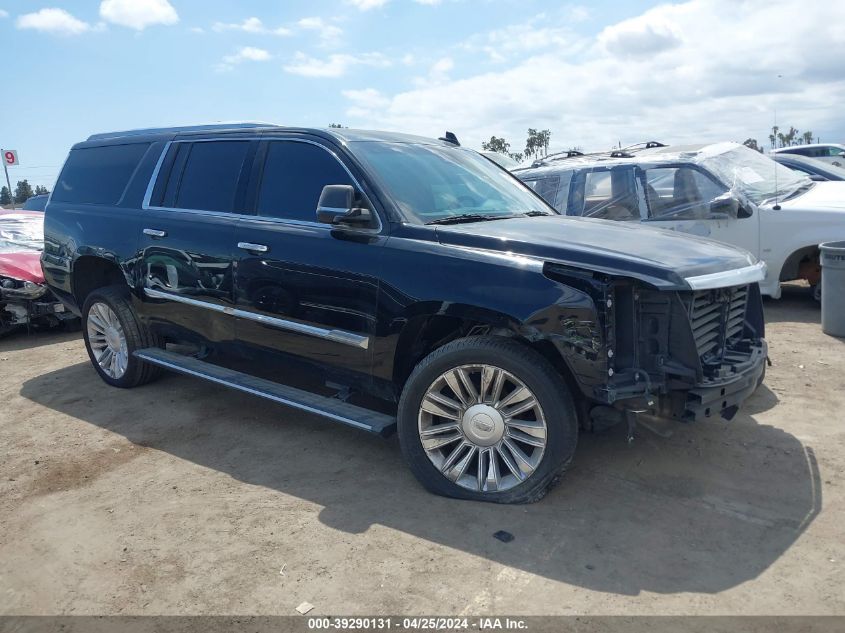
(338,336)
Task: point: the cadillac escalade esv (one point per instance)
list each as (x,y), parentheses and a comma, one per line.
(391,282)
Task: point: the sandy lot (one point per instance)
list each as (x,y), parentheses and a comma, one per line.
(182,498)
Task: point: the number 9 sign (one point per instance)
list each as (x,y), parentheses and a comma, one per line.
(10,157)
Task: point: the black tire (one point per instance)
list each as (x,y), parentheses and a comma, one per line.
(137,337)
(548,387)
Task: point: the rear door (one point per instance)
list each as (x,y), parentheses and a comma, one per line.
(188,238)
(305,290)
(608,193)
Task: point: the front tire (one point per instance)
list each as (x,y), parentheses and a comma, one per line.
(489,419)
(112,333)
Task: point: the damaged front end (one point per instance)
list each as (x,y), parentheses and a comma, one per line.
(25,304)
(687,355)
(25,301)
(667,355)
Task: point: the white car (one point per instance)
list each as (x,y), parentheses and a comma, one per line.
(832,153)
(726,192)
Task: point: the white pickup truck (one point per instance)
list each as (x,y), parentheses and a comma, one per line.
(724,191)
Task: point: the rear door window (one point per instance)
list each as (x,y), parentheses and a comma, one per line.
(293,179)
(98,175)
(609,194)
(207,177)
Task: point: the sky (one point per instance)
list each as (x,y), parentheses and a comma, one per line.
(594,73)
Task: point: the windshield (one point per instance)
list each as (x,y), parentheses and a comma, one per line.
(754,175)
(21,232)
(433,183)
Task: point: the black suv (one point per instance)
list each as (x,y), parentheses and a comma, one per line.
(383,281)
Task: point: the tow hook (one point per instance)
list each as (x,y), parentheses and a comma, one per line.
(631,419)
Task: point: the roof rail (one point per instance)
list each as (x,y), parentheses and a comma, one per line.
(236,125)
(623,152)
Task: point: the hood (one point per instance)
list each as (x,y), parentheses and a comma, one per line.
(660,257)
(22,265)
(822,196)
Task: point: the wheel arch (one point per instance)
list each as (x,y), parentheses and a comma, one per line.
(792,265)
(91,272)
(425,332)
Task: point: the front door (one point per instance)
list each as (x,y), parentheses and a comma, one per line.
(304,290)
(679,197)
(188,240)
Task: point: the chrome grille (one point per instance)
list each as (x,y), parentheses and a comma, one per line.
(717,318)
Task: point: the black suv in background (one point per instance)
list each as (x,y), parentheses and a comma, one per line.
(383,281)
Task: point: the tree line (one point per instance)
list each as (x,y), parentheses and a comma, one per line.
(23,192)
(778,138)
(536,145)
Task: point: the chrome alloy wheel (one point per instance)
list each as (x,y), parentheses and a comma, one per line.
(482,428)
(107,340)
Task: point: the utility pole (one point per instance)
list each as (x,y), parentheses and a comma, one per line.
(8,182)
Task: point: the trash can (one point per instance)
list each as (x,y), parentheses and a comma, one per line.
(833,288)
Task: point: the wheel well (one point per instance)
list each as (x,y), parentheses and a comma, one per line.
(792,265)
(90,273)
(423,335)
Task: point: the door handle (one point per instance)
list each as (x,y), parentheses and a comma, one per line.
(256,248)
(155,233)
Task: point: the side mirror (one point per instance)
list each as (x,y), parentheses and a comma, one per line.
(724,206)
(337,206)
(817,178)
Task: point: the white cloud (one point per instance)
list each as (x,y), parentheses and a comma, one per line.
(437,74)
(366,5)
(250,25)
(641,36)
(56,21)
(327,32)
(244,54)
(138,14)
(516,40)
(4,14)
(697,71)
(334,65)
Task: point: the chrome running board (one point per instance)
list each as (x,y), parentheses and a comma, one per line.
(332,408)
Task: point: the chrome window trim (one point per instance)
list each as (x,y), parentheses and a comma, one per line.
(148,194)
(726,279)
(338,336)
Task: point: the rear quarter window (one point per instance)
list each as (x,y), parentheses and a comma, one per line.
(98,175)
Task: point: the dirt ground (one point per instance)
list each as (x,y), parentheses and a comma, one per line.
(182,498)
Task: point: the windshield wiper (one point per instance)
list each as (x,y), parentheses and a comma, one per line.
(469,217)
(532,214)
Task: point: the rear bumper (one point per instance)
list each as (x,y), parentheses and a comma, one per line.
(723,398)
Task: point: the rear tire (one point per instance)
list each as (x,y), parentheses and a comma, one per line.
(488,419)
(112,333)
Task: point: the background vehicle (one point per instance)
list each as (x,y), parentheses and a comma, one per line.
(723,191)
(389,282)
(813,168)
(24,299)
(36,203)
(833,153)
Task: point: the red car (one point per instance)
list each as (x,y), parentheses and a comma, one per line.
(24,299)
